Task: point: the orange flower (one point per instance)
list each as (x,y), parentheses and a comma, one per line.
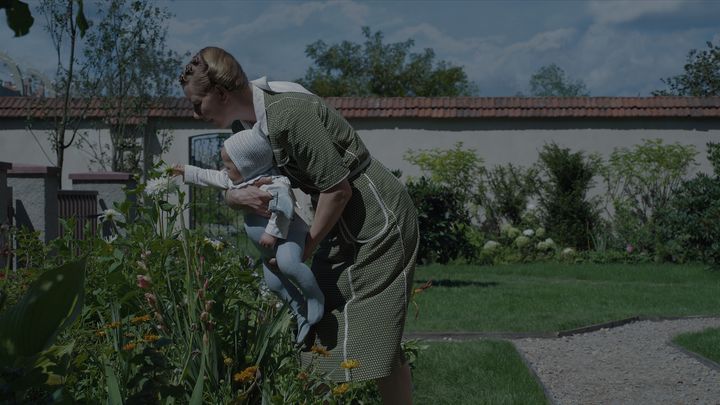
(140,319)
(320,350)
(100,333)
(349,364)
(128,347)
(151,338)
(228,361)
(113,325)
(341,389)
(246,375)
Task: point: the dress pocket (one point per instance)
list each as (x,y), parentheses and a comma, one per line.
(366,217)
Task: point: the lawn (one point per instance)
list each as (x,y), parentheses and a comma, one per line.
(478,372)
(705,343)
(552,297)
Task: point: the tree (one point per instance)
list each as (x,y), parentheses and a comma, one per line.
(64,31)
(129,66)
(550,81)
(20,19)
(384,70)
(701,77)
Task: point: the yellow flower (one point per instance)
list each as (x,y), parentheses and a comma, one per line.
(128,347)
(100,333)
(320,350)
(246,375)
(128,335)
(349,364)
(228,361)
(140,319)
(113,325)
(151,338)
(341,389)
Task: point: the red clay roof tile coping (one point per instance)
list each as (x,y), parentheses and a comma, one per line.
(100,176)
(406,107)
(21,169)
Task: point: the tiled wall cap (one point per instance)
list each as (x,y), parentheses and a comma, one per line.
(21,169)
(100,176)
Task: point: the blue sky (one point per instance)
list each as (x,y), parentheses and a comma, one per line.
(618,48)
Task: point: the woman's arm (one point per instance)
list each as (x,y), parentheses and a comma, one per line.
(331,204)
(250,198)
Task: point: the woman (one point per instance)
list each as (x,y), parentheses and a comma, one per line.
(364,235)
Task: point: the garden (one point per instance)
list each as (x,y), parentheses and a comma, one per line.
(156,312)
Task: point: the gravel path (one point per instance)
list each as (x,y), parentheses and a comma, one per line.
(631,364)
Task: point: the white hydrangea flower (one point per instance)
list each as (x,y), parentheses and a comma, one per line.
(542,246)
(529,233)
(522,241)
(540,232)
(490,245)
(550,242)
(216,244)
(111,215)
(568,252)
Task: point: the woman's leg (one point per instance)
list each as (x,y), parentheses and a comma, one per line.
(396,389)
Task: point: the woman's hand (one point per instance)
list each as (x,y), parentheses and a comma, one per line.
(250,198)
(330,206)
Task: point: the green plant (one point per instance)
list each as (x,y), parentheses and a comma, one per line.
(442,219)
(640,183)
(509,190)
(460,169)
(567,214)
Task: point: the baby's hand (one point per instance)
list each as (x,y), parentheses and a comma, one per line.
(267,240)
(178,170)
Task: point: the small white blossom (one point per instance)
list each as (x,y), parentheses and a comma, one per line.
(157,186)
(568,252)
(490,245)
(111,215)
(216,244)
(529,233)
(550,242)
(522,241)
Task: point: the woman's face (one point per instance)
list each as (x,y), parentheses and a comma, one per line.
(232,170)
(212,105)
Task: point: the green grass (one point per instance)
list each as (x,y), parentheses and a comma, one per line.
(552,297)
(479,372)
(705,343)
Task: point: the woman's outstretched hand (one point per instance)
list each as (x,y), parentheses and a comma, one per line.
(250,198)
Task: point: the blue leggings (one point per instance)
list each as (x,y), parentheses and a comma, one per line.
(294,283)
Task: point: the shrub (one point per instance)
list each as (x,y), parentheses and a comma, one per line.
(509,189)
(640,182)
(565,210)
(442,218)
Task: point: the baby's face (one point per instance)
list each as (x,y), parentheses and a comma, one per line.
(232,171)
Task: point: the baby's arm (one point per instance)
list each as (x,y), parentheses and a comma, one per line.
(207,177)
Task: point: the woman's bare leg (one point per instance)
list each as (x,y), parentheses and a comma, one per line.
(396,389)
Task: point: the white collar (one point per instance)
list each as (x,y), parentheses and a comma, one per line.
(258,85)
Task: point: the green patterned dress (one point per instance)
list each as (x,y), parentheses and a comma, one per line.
(365,265)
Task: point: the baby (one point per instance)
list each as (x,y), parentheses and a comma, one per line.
(247,156)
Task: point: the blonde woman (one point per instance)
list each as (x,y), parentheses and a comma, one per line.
(364,236)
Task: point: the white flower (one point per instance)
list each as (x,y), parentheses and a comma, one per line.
(529,233)
(490,245)
(216,244)
(568,252)
(111,215)
(157,186)
(542,246)
(550,242)
(522,241)
(540,232)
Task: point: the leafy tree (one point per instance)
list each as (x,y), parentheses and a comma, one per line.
(20,19)
(701,77)
(550,81)
(128,66)
(64,31)
(378,69)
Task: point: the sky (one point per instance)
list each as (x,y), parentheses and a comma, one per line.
(617,48)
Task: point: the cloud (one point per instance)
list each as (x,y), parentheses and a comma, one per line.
(545,41)
(621,11)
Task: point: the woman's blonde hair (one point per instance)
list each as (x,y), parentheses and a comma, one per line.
(214,66)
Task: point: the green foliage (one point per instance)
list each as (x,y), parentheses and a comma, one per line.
(701,77)
(567,214)
(640,182)
(713,155)
(442,217)
(378,69)
(32,366)
(18,15)
(550,81)
(509,190)
(688,226)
